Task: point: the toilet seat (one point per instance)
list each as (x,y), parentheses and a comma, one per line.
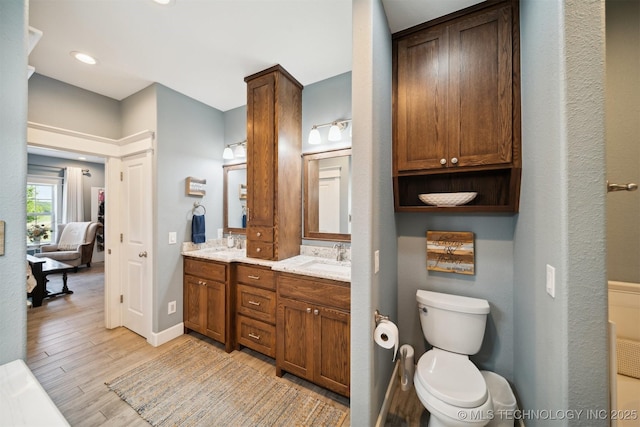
(452,378)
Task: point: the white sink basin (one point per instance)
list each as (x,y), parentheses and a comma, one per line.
(222,252)
(328,266)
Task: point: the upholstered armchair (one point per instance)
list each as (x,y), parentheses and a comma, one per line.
(75,254)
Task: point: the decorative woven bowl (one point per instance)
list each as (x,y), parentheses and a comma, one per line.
(448,199)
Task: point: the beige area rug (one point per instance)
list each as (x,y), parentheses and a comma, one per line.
(197,385)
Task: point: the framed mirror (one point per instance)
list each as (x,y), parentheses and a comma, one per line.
(234,197)
(327,195)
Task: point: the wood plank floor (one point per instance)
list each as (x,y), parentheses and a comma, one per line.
(72,354)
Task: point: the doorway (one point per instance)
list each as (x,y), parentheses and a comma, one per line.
(623,206)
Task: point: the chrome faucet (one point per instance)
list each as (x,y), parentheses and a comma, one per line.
(339,247)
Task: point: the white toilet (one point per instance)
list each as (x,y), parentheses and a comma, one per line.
(448,384)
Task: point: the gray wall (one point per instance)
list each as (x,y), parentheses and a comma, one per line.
(493,280)
(13,172)
(623,133)
(94,179)
(560,349)
(373,216)
(190,141)
(61,105)
(140,111)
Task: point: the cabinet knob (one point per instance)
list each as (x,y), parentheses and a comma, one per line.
(316,312)
(258,249)
(443,161)
(308,309)
(454,160)
(258,234)
(204,283)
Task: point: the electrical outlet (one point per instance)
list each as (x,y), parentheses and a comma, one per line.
(172,307)
(551,281)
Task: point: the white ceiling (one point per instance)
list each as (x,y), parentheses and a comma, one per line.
(203,48)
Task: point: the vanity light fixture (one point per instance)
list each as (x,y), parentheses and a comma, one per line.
(239,151)
(84,57)
(335,131)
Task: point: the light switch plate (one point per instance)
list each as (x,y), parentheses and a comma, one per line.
(376,261)
(1,238)
(173,238)
(551,281)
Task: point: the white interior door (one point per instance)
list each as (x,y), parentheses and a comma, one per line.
(329,200)
(137,243)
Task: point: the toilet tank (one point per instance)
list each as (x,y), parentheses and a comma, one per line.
(451,322)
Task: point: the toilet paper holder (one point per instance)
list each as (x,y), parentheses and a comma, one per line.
(379,317)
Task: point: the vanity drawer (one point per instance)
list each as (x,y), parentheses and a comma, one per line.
(256,276)
(205,269)
(260,234)
(256,335)
(259,250)
(257,303)
(315,290)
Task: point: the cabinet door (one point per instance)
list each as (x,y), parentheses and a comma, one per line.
(332,349)
(261,150)
(294,349)
(480,89)
(421,100)
(215,312)
(194,304)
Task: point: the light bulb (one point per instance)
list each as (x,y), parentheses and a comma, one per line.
(314,136)
(239,151)
(334,132)
(227,154)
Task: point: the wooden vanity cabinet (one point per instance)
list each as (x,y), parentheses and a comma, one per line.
(274,144)
(207,306)
(256,308)
(313,330)
(456,115)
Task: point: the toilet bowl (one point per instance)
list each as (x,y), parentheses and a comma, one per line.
(447,383)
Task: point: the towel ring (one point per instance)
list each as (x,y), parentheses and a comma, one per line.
(197,205)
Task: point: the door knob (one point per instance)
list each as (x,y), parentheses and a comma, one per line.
(143,254)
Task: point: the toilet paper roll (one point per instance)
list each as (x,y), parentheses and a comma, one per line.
(386,336)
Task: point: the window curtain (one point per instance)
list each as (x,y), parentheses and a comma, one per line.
(72,196)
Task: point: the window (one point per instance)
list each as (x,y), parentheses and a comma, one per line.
(43,203)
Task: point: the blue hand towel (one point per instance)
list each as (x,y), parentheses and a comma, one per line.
(197,229)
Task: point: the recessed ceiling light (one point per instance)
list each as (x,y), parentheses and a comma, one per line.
(83,57)
(164,2)
(82,158)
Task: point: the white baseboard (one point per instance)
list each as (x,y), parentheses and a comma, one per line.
(157,339)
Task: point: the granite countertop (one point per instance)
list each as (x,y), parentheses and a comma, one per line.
(314,261)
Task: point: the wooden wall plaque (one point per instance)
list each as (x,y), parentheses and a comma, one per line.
(451,252)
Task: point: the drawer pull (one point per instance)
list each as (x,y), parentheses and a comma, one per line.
(308,310)
(316,312)
(258,234)
(251,276)
(254,303)
(204,283)
(254,336)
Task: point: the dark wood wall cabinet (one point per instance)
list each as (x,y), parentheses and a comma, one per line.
(274,145)
(456,109)
(313,330)
(207,300)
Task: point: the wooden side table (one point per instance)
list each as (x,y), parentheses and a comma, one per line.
(41,268)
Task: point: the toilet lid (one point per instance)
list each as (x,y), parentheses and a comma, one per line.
(452,378)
